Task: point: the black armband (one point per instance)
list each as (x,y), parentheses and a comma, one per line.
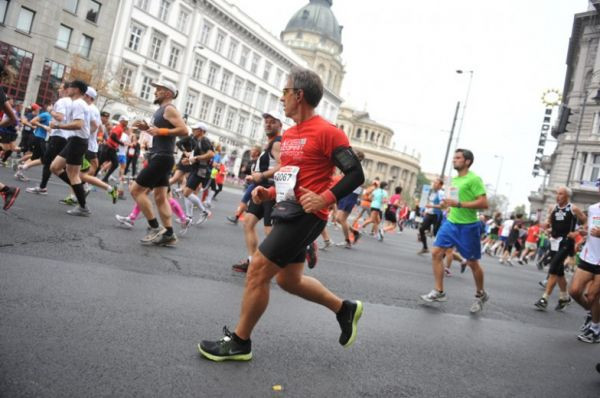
(346,160)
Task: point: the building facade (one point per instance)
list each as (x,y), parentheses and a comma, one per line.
(227,67)
(576,159)
(47,41)
(376,142)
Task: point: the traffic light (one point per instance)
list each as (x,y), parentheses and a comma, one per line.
(563,120)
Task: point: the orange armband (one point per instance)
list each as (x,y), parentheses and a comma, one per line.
(163,131)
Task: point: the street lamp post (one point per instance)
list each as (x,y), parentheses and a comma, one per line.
(464,110)
(450,139)
(499,172)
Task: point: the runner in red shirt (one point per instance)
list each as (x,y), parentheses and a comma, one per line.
(533,234)
(309,152)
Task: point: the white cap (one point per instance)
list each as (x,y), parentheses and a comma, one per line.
(91,92)
(166,84)
(275,114)
(123,118)
(200,126)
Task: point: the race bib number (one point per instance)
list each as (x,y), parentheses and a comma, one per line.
(285,182)
(555,243)
(596,222)
(453,193)
(202,172)
(131,152)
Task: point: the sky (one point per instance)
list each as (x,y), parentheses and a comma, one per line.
(401,59)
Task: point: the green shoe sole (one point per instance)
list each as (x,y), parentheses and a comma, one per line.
(240,357)
(357,315)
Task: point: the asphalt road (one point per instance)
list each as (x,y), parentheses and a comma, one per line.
(85,310)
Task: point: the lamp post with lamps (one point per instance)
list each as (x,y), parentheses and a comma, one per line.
(465,103)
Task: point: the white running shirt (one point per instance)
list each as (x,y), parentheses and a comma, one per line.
(79,110)
(591,251)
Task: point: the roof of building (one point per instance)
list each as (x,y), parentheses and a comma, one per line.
(317,17)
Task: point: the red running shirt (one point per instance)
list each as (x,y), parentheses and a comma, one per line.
(532,232)
(118,130)
(309,146)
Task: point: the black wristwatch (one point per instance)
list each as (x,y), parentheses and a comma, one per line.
(459,205)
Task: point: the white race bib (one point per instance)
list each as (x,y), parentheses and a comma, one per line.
(555,243)
(595,222)
(453,193)
(285,182)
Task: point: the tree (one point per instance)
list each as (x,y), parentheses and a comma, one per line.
(421,180)
(105,82)
(520,209)
(497,203)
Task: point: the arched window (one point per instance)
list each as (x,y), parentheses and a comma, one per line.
(321,71)
(358,131)
(372,135)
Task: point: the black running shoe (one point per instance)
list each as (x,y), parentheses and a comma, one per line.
(562,303)
(541,304)
(228,348)
(598,367)
(242,266)
(311,255)
(586,322)
(10,196)
(233,220)
(356,234)
(348,318)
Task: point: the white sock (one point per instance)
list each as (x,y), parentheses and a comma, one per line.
(189,207)
(595,327)
(196,200)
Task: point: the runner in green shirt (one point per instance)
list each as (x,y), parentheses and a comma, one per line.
(462,228)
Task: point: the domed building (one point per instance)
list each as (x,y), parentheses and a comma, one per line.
(315,34)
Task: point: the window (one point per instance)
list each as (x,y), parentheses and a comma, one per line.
(146,87)
(93,11)
(249,93)
(267,71)
(126,78)
(3,7)
(182,20)
(242,119)
(278,77)
(197,70)
(205,108)
(53,74)
(219,41)
(135,36)
(212,74)
(244,56)
(21,60)
(254,125)
(174,57)
(143,4)
(254,64)
(64,36)
(155,47)
(205,35)
(25,20)
(237,88)
(261,99)
(86,46)
(225,79)
(71,6)
(230,118)
(163,10)
(596,123)
(218,114)
(272,103)
(233,46)
(190,103)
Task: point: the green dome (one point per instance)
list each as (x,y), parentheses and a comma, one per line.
(316,17)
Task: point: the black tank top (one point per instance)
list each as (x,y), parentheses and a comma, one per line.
(264,161)
(562,221)
(160,143)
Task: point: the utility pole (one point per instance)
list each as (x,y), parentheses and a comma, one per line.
(450,138)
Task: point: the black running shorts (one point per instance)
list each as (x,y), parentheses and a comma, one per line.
(91,155)
(286,244)
(54,146)
(197,178)
(591,268)
(158,171)
(262,210)
(557,263)
(74,150)
(38,147)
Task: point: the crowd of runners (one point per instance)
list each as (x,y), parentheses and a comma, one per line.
(298,183)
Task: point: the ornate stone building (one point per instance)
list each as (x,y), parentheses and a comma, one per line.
(376,141)
(582,82)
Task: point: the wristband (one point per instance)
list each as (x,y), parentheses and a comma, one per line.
(329,197)
(163,131)
(459,205)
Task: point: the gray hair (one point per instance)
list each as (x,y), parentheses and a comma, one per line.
(309,82)
(566,189)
